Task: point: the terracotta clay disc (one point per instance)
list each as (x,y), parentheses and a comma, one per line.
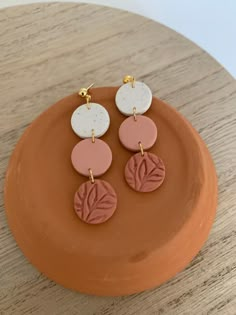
(95,203)
(132,131)
(145,173)
(149,238)
(96,156)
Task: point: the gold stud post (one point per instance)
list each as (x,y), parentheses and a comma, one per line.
(91,176)
(129,78)
(89,87)
(83,92)
(141,148)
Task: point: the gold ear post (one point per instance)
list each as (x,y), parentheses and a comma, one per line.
(83,92)
(129,78)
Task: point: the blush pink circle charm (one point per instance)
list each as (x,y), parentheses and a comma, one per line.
(145,173)
(95,203)
(96,156)
(133,131)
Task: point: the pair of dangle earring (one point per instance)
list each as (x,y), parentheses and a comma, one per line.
(145,171)
(95,201)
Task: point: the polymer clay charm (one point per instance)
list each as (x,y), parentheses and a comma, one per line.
(95,202)
(145,172)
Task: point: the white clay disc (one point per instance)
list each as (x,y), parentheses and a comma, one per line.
(128,97)
(84,120)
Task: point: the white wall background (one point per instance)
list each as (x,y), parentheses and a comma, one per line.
(209,23)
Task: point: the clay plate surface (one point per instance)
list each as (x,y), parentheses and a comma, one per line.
(149,238)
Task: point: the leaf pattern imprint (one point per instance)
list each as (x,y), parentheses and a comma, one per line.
(95,203)
(145,173)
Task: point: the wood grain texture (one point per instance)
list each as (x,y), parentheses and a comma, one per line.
(48,51)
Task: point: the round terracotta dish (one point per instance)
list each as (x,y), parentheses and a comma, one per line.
(151,236)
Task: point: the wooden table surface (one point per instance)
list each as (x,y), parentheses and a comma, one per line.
(48,51)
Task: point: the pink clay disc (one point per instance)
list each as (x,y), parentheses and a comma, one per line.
(96,156)
(145,173)
(95,203)
(132,131)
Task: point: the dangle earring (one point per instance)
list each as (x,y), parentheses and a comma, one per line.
(95,201)
(144,171)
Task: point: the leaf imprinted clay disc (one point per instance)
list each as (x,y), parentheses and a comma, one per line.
(145,173)
(95,203)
